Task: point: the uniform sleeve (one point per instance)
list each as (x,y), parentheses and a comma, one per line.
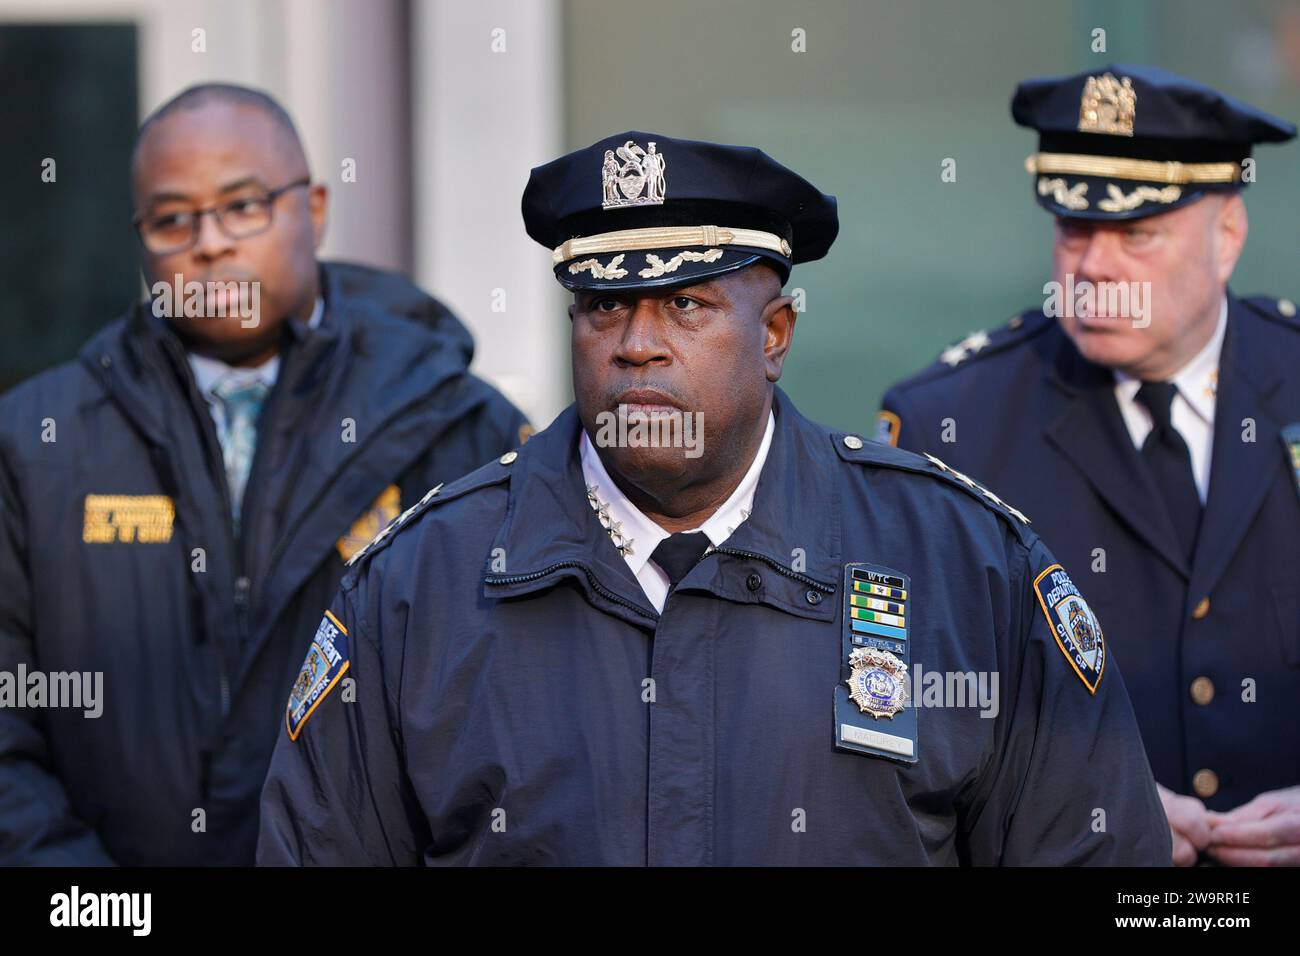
(37,825)
(1070,783)
(336,794)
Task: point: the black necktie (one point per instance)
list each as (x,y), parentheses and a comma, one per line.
(1170,463)
(678,553)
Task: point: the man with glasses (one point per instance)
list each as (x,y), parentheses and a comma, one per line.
(176,504)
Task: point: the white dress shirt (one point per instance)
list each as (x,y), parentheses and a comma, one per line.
(209,371)
(645,534)
(1192,410)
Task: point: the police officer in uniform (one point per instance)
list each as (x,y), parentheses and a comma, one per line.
(772,645)
(1148,422)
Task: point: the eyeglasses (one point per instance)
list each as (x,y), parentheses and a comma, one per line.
(238,219)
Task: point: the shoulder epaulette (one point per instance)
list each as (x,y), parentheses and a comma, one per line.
(483,477)
(1282,311)
(984,343)
(854,449)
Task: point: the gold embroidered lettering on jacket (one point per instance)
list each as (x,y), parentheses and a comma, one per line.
(128,519)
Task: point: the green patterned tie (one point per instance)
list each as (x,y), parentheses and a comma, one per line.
(242,402)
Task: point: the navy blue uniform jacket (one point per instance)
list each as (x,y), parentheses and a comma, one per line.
(498,690)
(198,649)
(1040,426)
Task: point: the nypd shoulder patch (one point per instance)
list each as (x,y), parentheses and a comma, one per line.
(1075,628)
(327,661)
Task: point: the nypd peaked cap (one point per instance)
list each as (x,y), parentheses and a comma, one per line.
(640,210)
(1123,141)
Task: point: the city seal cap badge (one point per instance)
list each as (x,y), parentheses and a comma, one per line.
(326,663)
(632,176)
(1073,625)
(878,682)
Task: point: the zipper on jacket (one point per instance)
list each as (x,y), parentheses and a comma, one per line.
(779,568)
(216,466)
(591,579)
(242,588)
(243,591)
(205,773)
(242,584)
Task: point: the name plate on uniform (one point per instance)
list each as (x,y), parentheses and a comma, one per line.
(872,712)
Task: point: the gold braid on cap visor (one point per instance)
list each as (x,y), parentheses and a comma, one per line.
(663,237)
(1120,167)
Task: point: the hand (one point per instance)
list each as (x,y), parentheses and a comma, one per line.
(1189,824)
(1263,832)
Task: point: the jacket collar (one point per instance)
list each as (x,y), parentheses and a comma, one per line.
(362,362)
(637,531)
(1241,470)
(550,532)
(1089,431)
(131,357)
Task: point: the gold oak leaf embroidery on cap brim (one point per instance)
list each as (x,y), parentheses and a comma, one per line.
(611,271)
(1071,198)
(1118,202)
(658,267)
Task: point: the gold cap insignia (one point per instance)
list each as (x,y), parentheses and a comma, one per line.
(1108,106)
(632,176)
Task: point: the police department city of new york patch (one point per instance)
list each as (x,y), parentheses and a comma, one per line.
(1075,627)
(326,663)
